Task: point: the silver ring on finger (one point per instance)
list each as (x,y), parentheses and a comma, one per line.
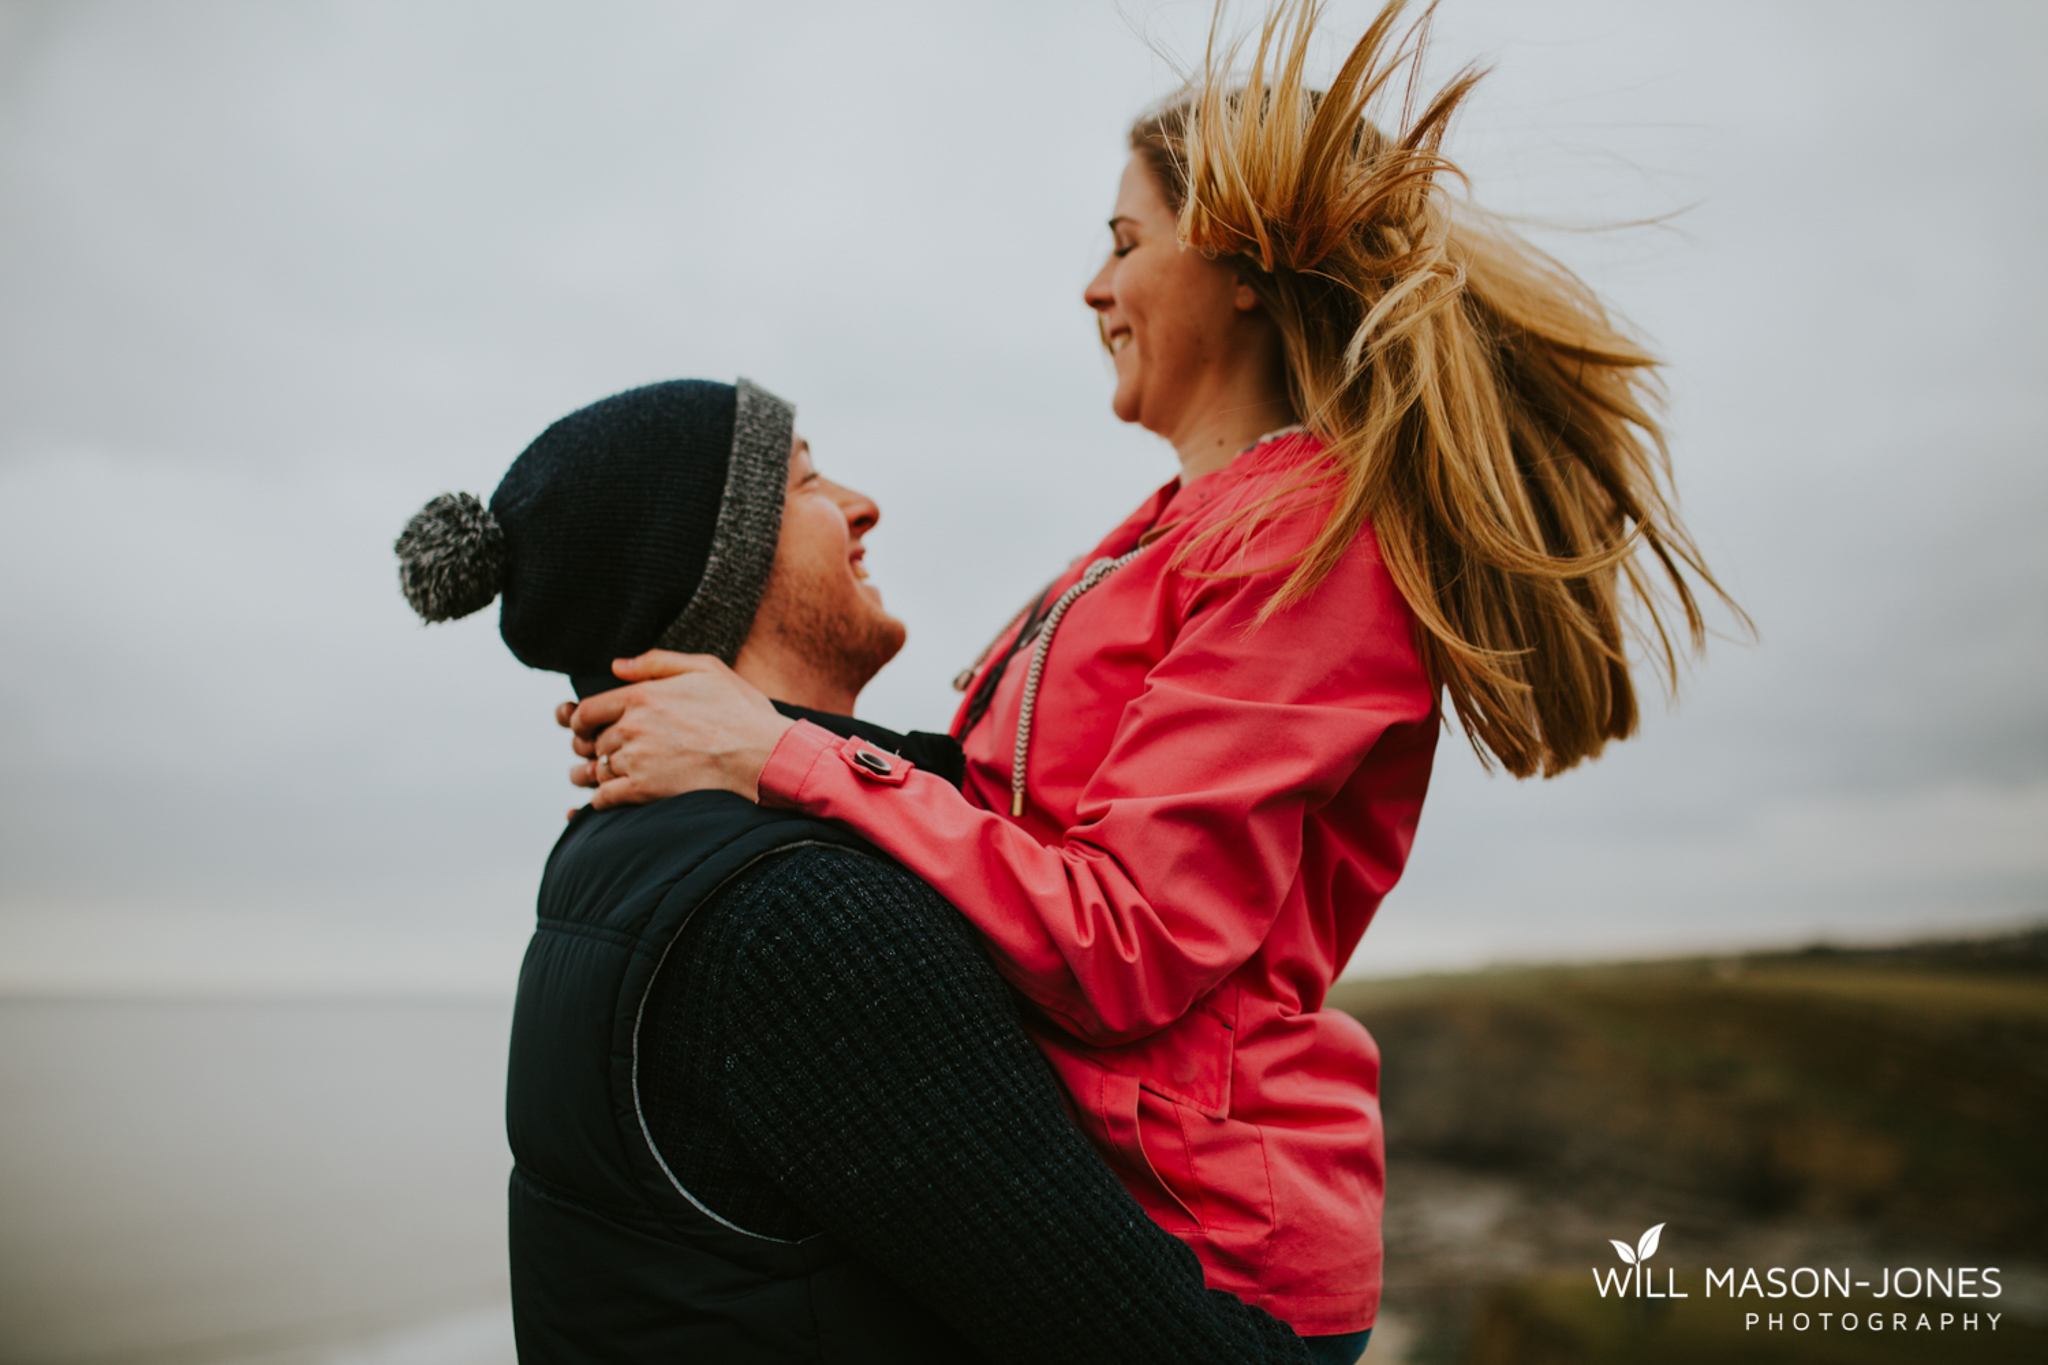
(604,761)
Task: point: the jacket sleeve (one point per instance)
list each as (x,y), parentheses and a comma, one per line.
(1188,838)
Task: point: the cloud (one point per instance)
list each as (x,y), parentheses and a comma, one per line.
(270,277)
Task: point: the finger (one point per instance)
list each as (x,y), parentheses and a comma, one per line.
(594,713)
(619,792)
(663,663)
(584,774)
(563,712)
(611,765)
(585,748)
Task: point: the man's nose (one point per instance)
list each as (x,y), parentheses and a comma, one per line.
(859,509)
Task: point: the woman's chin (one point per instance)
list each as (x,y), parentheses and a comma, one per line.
(1124,403)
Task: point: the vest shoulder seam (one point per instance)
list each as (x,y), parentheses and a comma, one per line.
(548,924)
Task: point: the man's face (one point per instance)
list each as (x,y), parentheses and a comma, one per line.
(818,602)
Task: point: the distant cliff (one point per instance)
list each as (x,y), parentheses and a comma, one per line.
(1890,1097)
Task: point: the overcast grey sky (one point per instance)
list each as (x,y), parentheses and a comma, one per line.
(273,275)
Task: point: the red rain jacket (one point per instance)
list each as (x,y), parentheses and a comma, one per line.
(1215,809)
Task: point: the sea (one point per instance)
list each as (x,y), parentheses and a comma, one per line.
(253,1182)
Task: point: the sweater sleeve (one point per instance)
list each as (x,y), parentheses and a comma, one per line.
(875,1066)
(1187,840)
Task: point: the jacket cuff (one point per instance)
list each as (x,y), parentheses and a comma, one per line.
(788,780)
(795,754)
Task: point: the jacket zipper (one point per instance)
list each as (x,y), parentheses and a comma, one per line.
(1099,570)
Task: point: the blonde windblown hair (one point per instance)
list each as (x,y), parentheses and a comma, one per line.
(1479,408)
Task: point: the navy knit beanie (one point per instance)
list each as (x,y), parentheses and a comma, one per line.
(646,521)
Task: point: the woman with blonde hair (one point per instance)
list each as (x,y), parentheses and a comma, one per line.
(1418,464)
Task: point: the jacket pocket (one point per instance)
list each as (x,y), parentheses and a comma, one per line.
(1125,1124)
(1190,1060)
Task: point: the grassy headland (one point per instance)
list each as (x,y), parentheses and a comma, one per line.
(1881,1102)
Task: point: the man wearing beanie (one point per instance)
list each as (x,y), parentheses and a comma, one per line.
(767,1100)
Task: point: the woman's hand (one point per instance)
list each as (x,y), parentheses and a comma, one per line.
(687,724)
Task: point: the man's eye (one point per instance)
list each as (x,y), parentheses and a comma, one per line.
(1124,249)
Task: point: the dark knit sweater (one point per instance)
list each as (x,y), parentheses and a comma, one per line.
(827,1048)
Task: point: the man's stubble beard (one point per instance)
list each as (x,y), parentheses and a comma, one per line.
(847,642)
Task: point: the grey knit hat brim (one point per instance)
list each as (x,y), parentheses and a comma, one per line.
(721,611)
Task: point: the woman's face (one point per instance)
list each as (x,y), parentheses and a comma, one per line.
(1174,320)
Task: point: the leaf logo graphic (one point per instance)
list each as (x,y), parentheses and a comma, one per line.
(1643,1250)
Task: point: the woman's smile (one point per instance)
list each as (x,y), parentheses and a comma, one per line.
(1207,374)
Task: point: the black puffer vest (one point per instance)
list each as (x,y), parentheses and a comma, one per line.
(611,1259)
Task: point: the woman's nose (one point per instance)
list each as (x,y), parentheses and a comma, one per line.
(1098,295)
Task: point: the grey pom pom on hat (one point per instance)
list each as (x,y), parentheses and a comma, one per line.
(451,558)
(648,519)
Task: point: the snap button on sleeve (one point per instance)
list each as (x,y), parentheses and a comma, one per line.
(873,764)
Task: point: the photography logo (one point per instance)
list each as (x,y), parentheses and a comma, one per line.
(1643,1250)
(1635,1281)
(1818,1298)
